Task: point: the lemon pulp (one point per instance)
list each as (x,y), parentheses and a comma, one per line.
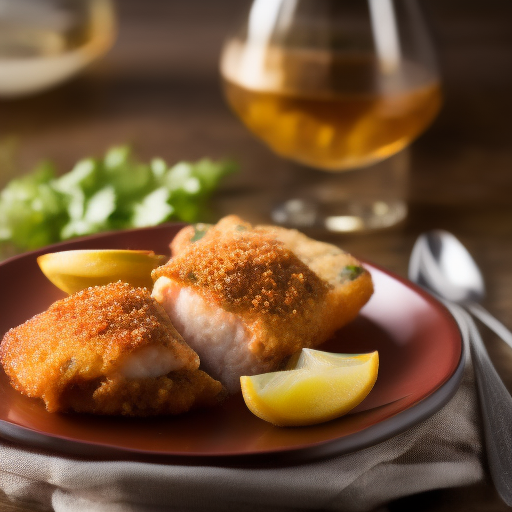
(316,387)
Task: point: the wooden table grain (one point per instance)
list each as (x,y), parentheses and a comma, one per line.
(159,89)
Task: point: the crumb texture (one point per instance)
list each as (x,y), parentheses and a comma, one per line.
(286,291)
(80,353)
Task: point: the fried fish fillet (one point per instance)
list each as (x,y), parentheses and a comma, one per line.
(245,298)
(107,350)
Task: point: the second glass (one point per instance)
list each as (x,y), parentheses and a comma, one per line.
(336,85)
(45,42)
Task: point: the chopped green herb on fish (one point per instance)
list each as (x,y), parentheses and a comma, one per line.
(350,272)
(199,231)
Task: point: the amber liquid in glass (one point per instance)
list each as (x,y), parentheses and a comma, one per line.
(329,111)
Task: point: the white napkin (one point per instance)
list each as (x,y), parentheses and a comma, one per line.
(443,451)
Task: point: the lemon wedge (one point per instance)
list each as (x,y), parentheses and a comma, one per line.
(72,271)
(317,387)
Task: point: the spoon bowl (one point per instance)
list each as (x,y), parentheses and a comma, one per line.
(441,263)
(453,270)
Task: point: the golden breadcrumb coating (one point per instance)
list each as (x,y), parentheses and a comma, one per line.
(247,273)
(171,394)
(291,291)
(74,354)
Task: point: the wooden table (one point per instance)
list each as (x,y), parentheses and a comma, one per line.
(159,89)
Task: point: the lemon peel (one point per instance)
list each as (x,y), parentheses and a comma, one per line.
(72,271)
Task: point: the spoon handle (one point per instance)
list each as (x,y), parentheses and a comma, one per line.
(496,406)
(493,323)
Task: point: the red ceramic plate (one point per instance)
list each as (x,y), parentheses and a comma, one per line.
(421,366)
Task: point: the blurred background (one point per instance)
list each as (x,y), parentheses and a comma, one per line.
(158,88)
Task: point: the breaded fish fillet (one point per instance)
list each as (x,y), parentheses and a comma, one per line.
(106,350)
(247,298)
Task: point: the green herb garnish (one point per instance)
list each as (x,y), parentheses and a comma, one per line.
(115,192)
(191,276)
(199,231)
(350,272)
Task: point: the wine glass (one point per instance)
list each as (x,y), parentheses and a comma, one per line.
(340,86)
(45,42)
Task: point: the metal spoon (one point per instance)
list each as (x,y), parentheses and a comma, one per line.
(432,266)
(454,275)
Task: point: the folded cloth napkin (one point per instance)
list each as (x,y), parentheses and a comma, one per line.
(443,451)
